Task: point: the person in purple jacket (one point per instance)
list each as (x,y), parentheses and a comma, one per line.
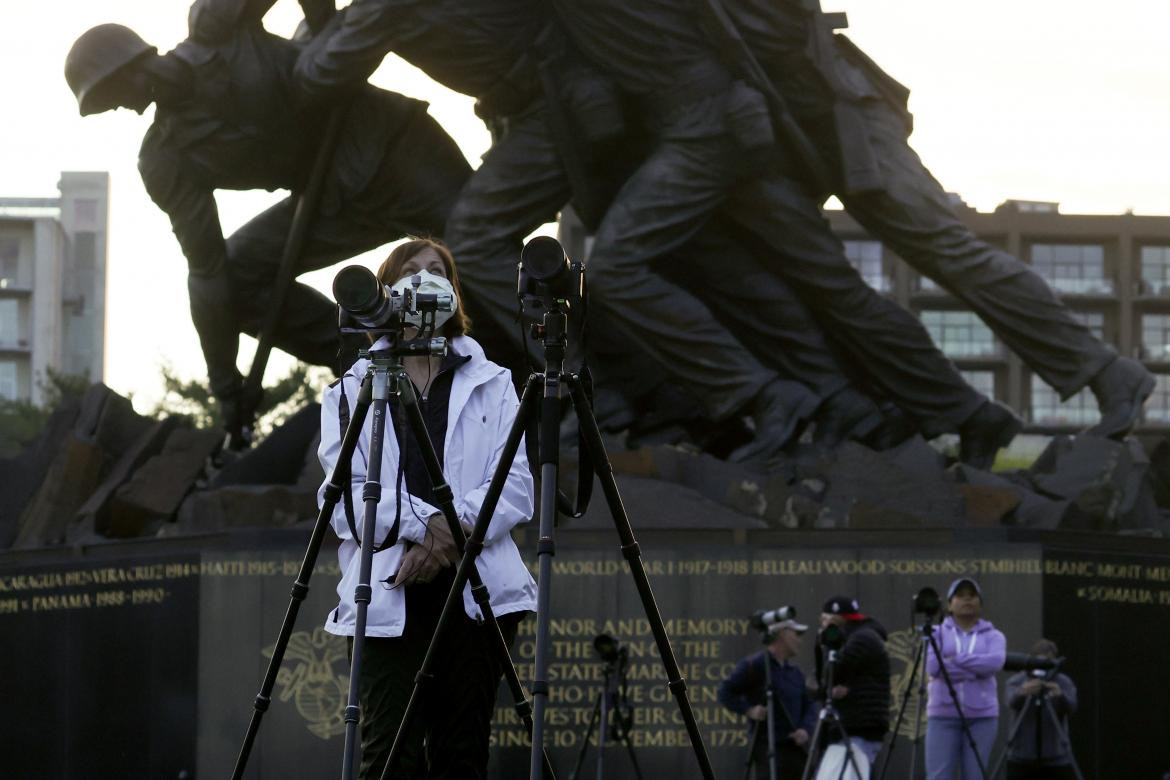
(972,652)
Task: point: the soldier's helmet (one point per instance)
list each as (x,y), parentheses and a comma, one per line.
(95,56)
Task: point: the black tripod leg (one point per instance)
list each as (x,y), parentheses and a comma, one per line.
(1062,734)
(1011,737)
(467,571)
(633,756)
(630,551)
(300,589)
(371,494)
(753,734)
(588,733)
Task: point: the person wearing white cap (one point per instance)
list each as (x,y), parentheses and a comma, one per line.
(972,652)
(794,710)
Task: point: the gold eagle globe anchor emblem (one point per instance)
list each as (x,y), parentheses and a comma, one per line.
(311,679)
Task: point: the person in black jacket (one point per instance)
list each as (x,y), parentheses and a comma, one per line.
(861,681)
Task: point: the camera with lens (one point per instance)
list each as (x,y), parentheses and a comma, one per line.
(365,305)
(1036,665)
(832,637)
(546,279)
(611,650)
(762,619)
(927,602)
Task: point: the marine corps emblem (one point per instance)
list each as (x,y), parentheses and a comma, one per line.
(313,678)
(902,645)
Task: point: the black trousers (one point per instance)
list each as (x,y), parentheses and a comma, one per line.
(1027,771)
(449,736)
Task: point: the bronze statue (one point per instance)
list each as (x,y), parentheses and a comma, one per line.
(857,117)
(227,118)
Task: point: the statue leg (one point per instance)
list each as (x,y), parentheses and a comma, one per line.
(520,186)
(887,342)
(662,205)
(914,217)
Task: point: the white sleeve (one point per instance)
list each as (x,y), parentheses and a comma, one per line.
(516,499)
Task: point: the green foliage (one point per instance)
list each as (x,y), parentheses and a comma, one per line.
(192,399)
(22,421)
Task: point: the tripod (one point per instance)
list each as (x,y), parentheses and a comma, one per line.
(611,703)
(830,716)
(385,375)
(769,721)
(1040,706)
(917,673)
(553,332)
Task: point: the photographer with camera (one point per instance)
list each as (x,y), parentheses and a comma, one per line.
(468,404)
(861,689)
(972,651)
(794,714)
(1038,750)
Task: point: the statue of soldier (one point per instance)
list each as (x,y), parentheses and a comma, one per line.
(523,183)
(857,116)
(711,154)
(226,118)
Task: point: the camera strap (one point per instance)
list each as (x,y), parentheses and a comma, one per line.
(347,494)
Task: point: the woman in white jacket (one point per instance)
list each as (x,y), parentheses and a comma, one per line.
(469,404)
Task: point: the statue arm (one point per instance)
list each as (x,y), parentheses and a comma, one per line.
(214,20)
(345,56)
(190,205)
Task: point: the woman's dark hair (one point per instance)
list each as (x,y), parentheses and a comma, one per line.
(391,271)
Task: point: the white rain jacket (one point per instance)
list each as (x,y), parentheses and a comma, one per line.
(480,413)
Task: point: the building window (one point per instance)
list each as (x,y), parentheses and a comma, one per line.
(1156,269)
(960,334)
(1156,337)
(866,257)
(9,322)
(1078,269)
(1093,320)
(982,381)
(8,384)
(1047,408)
(1158,404)
(9,261)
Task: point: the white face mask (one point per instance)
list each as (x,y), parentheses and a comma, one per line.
(428,283)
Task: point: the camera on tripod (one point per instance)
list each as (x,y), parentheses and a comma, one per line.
(927,603)
(1036,665)
(547,279)
(365,305)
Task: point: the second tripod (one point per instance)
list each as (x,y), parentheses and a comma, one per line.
(613,717)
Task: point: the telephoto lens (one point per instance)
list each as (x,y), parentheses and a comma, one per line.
(358,292)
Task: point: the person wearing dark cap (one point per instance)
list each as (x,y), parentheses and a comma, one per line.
(861,690)
(794,711)
(1038,751)
(972,652)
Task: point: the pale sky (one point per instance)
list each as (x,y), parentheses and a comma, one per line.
(1061,100)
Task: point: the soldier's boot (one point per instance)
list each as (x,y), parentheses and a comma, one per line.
(779,413)
(847,414)
(1121,388)
(981,435)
